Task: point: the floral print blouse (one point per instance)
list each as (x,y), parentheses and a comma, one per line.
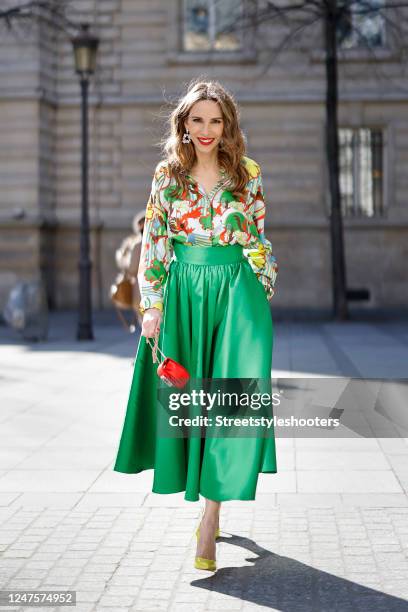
(199,219)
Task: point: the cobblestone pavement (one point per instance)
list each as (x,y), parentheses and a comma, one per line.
(328,532)
(321,558)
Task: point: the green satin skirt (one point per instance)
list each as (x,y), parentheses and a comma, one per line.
(217,323)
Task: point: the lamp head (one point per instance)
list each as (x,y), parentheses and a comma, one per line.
(85,46)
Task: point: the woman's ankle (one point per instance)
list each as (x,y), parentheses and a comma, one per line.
(210,521)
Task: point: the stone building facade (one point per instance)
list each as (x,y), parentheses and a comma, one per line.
(149,50)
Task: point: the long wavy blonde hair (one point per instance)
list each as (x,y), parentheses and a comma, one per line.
(181,157)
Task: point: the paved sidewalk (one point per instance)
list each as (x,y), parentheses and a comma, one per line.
(328,532)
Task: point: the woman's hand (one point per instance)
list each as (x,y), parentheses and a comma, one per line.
(151,322)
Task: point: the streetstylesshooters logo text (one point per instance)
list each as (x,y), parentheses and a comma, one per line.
(330,406)
(220,412)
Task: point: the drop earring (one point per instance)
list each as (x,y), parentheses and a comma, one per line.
(186,137)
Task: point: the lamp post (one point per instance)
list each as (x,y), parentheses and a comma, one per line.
(85,46)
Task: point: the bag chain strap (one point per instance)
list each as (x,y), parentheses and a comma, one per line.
(155,348)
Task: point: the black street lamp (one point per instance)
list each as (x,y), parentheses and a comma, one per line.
(85,46)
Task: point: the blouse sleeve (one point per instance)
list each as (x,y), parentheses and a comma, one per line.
(156,250)
(260,257)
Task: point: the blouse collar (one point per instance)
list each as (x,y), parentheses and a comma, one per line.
(224,176)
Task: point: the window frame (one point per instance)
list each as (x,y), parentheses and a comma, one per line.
(363,46)
(386,187)
(389,52)
(177,55)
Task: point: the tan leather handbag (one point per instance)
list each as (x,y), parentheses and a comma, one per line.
(121,294)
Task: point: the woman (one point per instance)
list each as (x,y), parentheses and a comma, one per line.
(127,258)
(206,307)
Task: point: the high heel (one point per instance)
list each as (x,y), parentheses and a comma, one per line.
(201,562)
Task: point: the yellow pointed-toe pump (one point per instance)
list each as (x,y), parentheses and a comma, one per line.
(205,564)
(202,562)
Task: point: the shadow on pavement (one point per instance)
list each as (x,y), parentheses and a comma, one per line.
(288,585)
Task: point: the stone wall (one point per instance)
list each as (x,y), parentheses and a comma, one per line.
(140,71)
